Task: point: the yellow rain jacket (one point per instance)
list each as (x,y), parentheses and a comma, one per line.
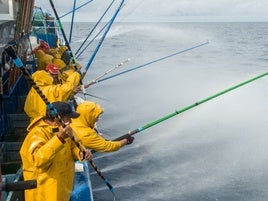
(48,161)
(35,106)
(84,128)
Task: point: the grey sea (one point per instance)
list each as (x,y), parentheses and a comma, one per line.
(215,151)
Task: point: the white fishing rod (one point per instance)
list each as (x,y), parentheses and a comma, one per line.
(105,73)
(94,81)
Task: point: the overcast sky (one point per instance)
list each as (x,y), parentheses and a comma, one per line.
(168,10)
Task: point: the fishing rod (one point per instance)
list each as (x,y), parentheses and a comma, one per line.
(105,73)
(96,79)
(77,51)
(103,36)
(151,62)
(105,180)
(17,61)
(72,22)
(82,51)
(133,132)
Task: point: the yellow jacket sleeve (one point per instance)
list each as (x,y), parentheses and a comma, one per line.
(91,140)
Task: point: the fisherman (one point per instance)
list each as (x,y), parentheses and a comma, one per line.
(35,106)
(43,59)
(48,154)
(85,127)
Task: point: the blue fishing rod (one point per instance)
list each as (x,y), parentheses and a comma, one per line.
(77,51)
(81,52)
(104,35)
(72,22)
(151,62)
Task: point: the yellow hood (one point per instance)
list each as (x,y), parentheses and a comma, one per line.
(39,54)
(89,113)
(42,78)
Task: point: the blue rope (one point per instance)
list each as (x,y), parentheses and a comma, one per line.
(171,55)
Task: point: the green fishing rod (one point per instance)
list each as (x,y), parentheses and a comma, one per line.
(17,61)
(153,123)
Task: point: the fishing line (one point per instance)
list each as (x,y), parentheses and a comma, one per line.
(11,52)
(72,22)
(151,62)
(81,52)
(82,5)
(138,4)
(153,123)
(77,51)
(104,35)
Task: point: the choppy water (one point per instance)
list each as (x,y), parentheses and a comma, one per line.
(215,151)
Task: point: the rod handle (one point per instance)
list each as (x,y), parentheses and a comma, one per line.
(129,133)
(19,186)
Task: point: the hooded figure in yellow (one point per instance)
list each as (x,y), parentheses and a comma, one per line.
(48,156)
(87,134)
(35,106)
(43,59)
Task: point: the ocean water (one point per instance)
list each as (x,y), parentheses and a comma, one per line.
(216,151)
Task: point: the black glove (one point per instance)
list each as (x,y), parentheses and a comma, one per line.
(130,139)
